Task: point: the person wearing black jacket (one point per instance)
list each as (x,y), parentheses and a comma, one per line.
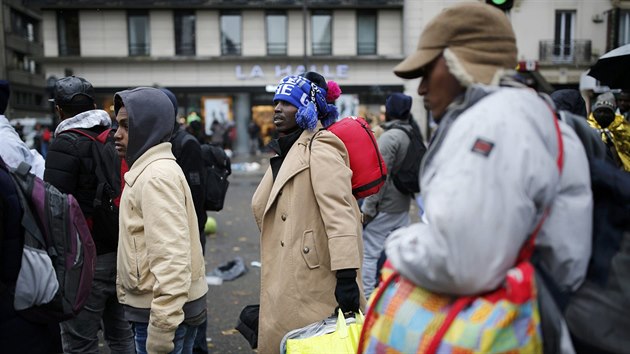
(16,332)
(70,166)
(187,151)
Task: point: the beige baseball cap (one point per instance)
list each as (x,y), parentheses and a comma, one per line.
(480,36)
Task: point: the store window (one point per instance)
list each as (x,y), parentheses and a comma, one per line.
(366,32)
(230,33)
(184,32)
(321,32)
(276,33)
(68,33)
(139,35)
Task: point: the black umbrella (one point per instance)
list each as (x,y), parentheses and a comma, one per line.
(613,68)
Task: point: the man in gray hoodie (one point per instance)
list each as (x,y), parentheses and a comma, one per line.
(388,209)
(161,275)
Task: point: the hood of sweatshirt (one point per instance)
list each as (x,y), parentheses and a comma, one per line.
(151,119)
(85,120)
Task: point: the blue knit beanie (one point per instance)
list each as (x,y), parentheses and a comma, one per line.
(310,101)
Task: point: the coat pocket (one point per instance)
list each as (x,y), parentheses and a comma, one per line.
(309,250)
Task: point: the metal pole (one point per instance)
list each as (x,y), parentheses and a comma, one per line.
(304,28)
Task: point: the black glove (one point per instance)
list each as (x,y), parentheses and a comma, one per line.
(347,290)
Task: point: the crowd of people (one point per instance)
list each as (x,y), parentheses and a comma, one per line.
(509,176)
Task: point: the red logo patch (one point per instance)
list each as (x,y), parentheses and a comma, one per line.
(482,147)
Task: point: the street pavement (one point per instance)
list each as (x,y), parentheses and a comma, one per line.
(237,235)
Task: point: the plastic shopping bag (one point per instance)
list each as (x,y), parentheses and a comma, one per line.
(332,335)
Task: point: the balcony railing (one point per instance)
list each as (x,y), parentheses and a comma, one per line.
(138,49)
(366,48)
(230,48)
(277,48)
(576,52)
(185,49)
(322,48)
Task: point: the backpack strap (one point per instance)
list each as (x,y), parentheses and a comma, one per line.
(310,143)
(24,187)
(80,132)
(178,140)
(101,138)
(409,135)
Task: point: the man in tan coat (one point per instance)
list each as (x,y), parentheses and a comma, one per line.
(311,247)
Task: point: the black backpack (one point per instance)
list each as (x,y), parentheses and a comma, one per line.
(105,212)
(217,168)
(406,178)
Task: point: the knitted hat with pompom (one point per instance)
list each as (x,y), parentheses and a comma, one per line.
(312,96)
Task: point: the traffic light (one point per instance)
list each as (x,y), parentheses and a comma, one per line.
(504,5)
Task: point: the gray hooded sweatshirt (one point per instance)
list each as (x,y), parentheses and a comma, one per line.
(170,286)
(151,119)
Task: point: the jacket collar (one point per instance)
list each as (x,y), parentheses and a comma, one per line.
(473,94)
(393,123)
(158,152)
(85,120)
(297,160)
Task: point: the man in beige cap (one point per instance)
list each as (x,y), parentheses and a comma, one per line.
(490,171)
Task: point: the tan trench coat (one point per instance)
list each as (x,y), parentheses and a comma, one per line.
(310,227)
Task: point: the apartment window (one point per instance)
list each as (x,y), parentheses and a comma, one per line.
(68,32)
(564,34)
(321,32)
(184,32)
(231,33)
(26,99)
(138,28)
(22,62)
(23,26)
(366,32)
(624,27)
(276,33)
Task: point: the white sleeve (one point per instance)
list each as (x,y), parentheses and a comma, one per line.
(14,151)
(480,209)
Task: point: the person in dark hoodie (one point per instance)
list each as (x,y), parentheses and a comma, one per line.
(161,274)
(187,151)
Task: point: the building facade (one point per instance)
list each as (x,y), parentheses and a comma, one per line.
(21,49)
(223,58)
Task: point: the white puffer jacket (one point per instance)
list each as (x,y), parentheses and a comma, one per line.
(486,179)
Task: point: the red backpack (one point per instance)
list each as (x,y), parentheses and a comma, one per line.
(366,162)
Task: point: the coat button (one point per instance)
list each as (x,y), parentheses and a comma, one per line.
(284,217)
(281,243)
(306,249)
(280,192)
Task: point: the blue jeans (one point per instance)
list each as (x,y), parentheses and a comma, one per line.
(184,338)
(201,345)
(101,311)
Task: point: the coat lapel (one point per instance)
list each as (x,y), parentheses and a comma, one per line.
(297,160)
